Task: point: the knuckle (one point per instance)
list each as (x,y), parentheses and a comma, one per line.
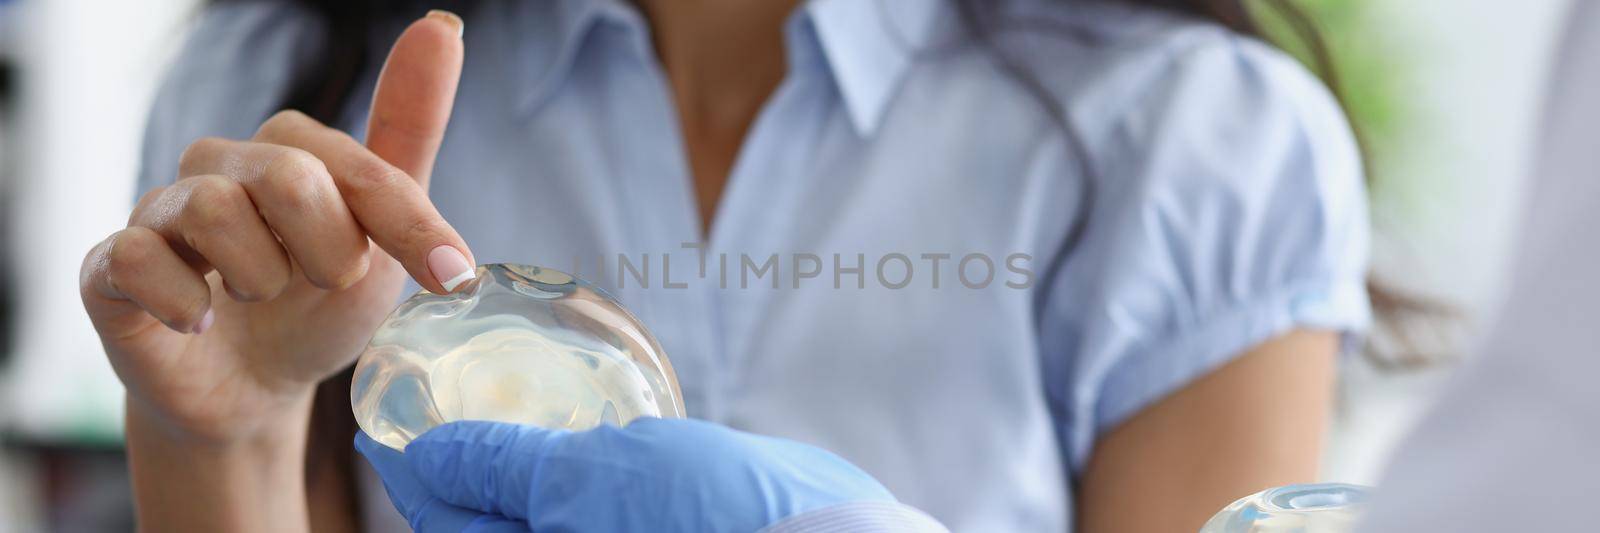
(260,285)
(129,254)
(129,251)
(198,151)
(214,201)
(341,274)
(293,174)
(188,310)
(287,117)
(424,231)
(147,202)
(93,266)
(281,122)
(251,293)
(289,114)
(272,281)
(376,178)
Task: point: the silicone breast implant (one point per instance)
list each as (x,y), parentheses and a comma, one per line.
(519,344)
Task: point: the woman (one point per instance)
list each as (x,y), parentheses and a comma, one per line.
(1172,214)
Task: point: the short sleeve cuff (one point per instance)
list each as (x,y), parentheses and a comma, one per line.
(859,516)
(1169,364)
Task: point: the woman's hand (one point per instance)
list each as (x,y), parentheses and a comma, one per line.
(236,289)
(654,475)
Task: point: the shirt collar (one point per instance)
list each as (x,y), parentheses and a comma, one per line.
(869,45)
(542,39)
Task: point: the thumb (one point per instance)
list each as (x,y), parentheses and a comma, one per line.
(415,93)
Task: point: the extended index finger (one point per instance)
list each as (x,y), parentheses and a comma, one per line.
(391,207)
(385,183)
(415,93)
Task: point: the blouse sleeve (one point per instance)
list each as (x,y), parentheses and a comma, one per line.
(1229,209)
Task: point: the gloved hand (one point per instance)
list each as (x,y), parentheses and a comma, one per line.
(654,475)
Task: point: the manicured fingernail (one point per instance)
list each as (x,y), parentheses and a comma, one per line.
(205,322)
(452,19)
(449,267)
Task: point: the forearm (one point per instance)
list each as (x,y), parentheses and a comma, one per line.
(182,483)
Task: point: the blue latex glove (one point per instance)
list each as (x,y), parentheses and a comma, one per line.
(653,475)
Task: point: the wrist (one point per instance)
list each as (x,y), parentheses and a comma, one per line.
(184,480)
(229,415)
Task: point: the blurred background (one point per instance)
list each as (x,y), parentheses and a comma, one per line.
(1446,94)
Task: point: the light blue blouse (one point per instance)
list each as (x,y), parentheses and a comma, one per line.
(920,315)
